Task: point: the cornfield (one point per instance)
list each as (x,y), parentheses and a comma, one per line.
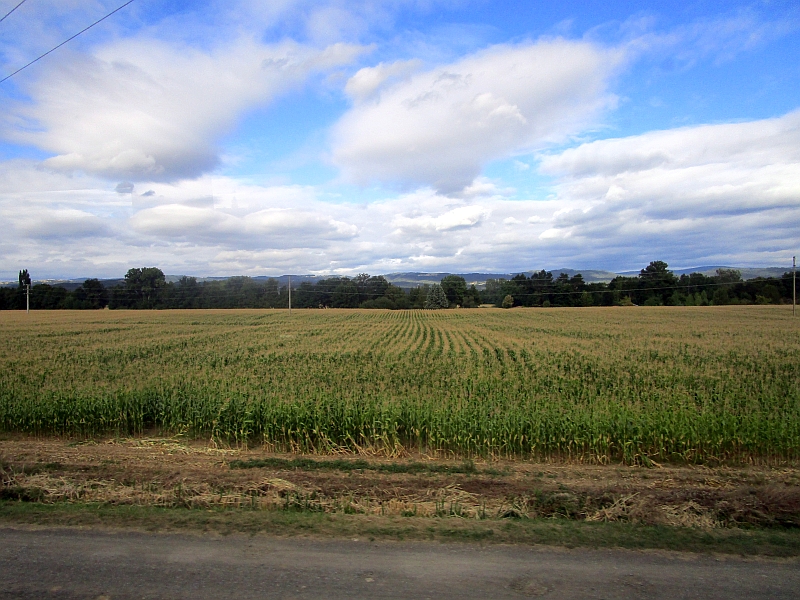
(631,384)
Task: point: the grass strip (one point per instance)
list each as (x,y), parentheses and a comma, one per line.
(555,532)
(309,464)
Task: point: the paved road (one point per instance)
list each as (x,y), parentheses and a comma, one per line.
(69,564)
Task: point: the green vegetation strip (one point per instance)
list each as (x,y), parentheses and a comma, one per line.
(763,542)
(309,464)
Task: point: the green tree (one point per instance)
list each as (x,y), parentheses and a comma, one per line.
(91,295)
(771,293)
(472,298)
(436,298)
(48,297)
(186,294)
(397,297)
(306,295)
(508,301)
(577,282)
(655,281)
(417,296)
(728,276)
(346,294)
(455,288)
(143,286)
(675,299)
(562,291)
(491,292)
(720,297)
(272,293)
(540,287)
(514,287)
(373,288)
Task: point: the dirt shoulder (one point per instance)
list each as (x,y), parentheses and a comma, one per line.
(134,480)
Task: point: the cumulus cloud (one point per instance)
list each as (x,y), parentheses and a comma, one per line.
(710,191)
(146,109)
(271,228)
(44,223)
(727,167)
(439,127)
(457,218)
(714,194)
(366,81)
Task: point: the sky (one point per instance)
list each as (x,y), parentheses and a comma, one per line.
(244,137)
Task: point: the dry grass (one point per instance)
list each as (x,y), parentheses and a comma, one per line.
(179,473)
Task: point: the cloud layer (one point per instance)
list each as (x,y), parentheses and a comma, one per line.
(440,127)
(269,137)
(712,194)
(710,191)
(144,109)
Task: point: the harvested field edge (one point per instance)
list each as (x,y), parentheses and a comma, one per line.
(753,542)
(178,473)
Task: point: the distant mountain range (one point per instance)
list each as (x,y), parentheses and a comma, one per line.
(413,279)
(747,273)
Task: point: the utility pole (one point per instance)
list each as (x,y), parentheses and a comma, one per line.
(290,294)
(27,298)
(794,283)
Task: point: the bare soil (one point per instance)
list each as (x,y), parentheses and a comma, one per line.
(158,471)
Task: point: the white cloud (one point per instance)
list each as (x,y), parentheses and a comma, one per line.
(716,194)
(144,109)
(440,127)
(708,193)
(521,166)
(44,223)
(738,166)
(270,228)
(457,218)
(366,81)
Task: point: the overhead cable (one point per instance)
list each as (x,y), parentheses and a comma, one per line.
(65,41)
(12,10)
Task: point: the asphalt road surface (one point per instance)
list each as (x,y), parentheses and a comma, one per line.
(68,564)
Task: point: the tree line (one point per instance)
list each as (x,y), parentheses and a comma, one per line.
(655,285)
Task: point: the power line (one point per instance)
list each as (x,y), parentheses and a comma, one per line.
(64,42)
(12,10)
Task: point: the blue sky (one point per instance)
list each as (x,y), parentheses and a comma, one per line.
(261,138)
